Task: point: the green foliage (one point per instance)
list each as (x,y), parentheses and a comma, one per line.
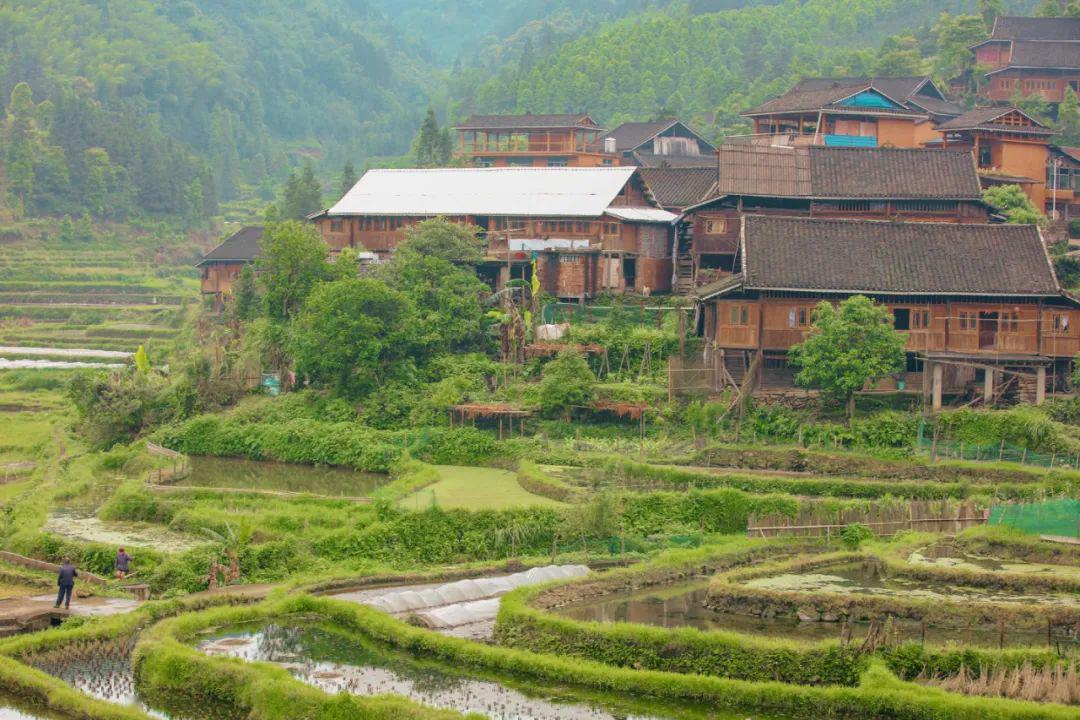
(433,145)
(142,362)
(854,535)
(848,347)
(116,407)
(1013,202)
(353,335)
(1025,426)
(443,239)
(292,262)
(246,301)
(567,382)
(348,178)
(302,194)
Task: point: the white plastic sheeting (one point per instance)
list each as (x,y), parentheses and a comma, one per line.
(467,592)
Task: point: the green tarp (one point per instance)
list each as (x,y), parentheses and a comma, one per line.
(1055,517)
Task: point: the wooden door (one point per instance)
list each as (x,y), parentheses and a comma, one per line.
(988,328)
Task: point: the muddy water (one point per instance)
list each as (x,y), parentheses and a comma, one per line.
(81,526)
(682,605)
(318,655)
(868,579)
(953,557)
(248,474)
(14,709)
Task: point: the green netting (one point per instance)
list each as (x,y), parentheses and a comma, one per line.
(1055,517)
(561,312)
(942,449)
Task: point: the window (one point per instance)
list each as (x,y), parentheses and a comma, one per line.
(986,158)
(1061,324)
(1010,322)
(920,319)
(607,161)
(557,162)
(484,162)
(798,317)
(565,258)
(715,226)
(967,320)
(611,229)
(337,225)
(1075,85)
(740,315)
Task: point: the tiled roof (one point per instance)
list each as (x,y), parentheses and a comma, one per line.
(895,258)
(1072,152)
(936,106)
(515,122)
(986,119)
(649,160)
(631,135)
(1036,28)
(1045,54)
(843,173)
(677,188)
(522,191)
(242,245)
(826,93)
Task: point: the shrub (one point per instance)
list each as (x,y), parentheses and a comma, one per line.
(854,535)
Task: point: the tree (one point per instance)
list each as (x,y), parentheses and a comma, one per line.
(1013,203)
(223,153)
(246,295)
(96,184)
(433,145)
(848,347)
(293,260)
(142,362)
(1058,8)
(303,193)
(353,336)
(441,238)
(955,34)
(23,139)
(1069,119)
(567,381)
(989,10)
(348,178)
(899,55)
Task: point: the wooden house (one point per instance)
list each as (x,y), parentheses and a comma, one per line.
(569,140)
(1010,147)
(220,267)
(913,185)
(661,143)
(1031,56)
(676,189)
(592,230)
(853,112)
(980,304)
(1063,183)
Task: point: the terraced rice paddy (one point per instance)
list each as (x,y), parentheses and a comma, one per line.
(282,477)
(61,305)
(335,662)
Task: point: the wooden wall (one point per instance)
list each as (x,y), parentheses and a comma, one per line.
(967,327)
(218,278)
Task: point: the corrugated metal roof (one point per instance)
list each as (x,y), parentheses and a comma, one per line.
(641,214)
(525,191)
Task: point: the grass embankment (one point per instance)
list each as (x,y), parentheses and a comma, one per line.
(167,668)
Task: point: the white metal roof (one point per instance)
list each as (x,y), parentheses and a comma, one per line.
(641,214)
(518,191)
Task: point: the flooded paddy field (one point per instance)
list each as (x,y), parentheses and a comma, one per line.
(870,579)
(683,605)
(950,556)
(319,655)
(283,477)
(99,668)
(88,528)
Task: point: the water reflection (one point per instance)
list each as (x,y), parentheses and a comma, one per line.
(257,474)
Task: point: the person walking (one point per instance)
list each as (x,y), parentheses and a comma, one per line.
(123,563)
(65,580)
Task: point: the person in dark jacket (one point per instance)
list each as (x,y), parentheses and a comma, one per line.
(123,563)
(65,580)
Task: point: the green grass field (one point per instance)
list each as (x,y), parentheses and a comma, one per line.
(475,488)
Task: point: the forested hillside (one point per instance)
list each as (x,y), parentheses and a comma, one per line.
(116,108)
(712,65)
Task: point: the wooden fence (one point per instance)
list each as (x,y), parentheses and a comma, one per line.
(883,518)
(180,467)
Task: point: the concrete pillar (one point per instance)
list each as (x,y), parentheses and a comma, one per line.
(1040,385)
(938,371)
(988,386)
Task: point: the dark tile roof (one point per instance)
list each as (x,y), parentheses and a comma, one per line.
(242,245)
(842,173)
(895,258)
(1045,54)
(649,160)
(513,122)
(826,93)
(936,106)
(1072,152)
(1036,28)
(985,119)
(631,135)
(677,188)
